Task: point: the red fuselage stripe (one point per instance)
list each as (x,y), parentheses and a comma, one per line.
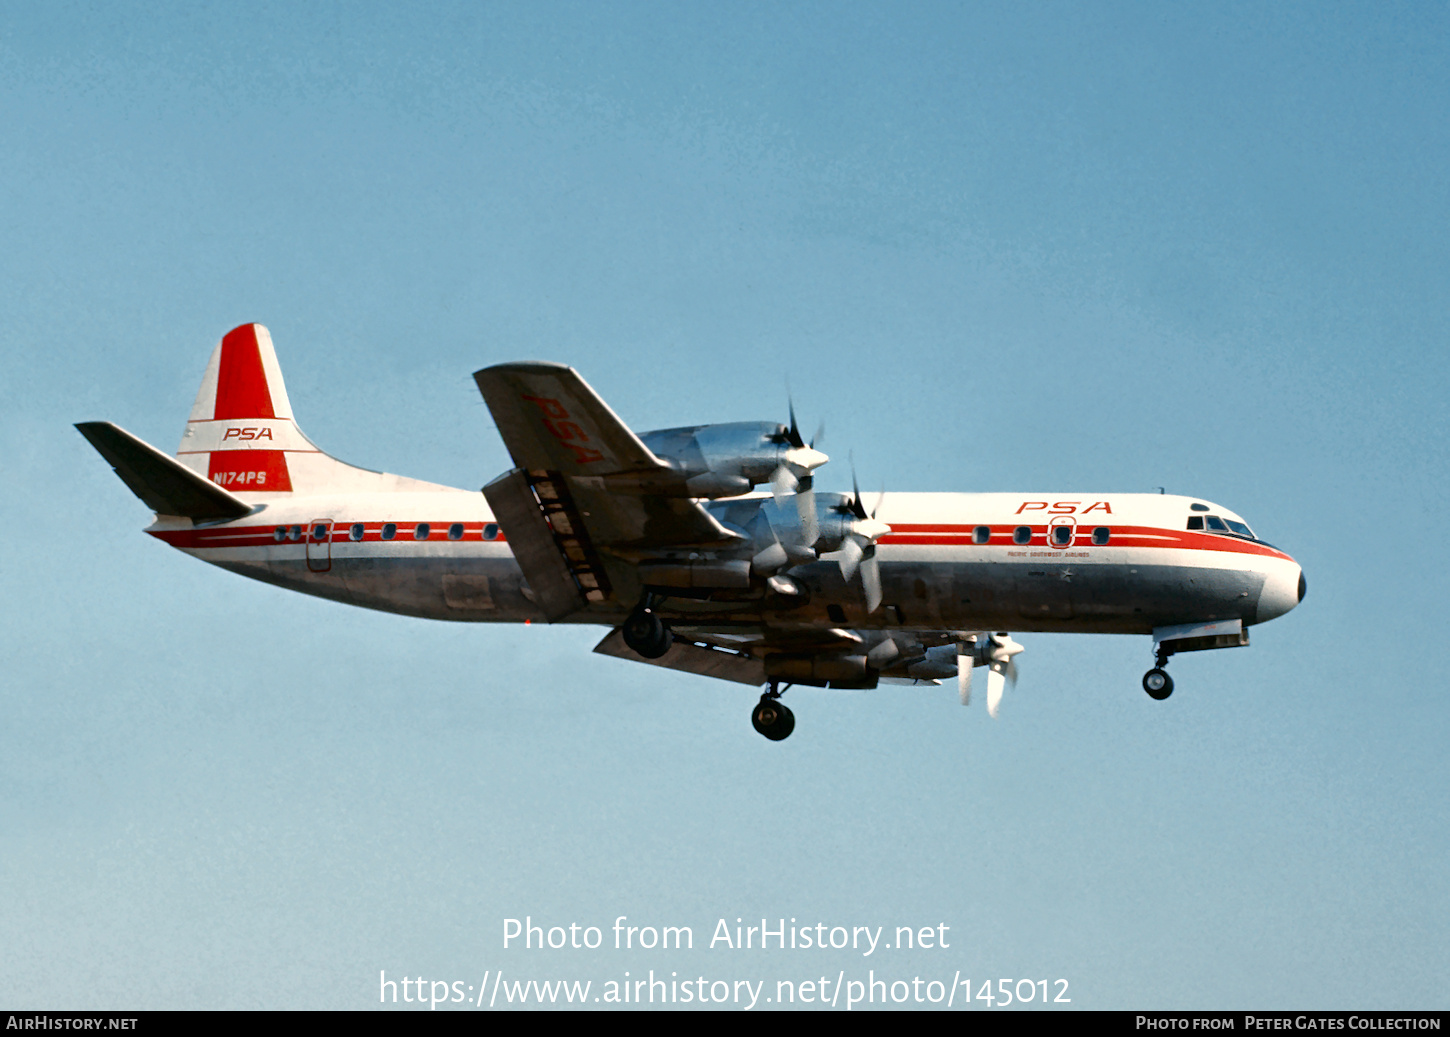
(914,534)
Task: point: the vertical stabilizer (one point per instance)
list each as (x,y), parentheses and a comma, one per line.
(242,437)
(241,432)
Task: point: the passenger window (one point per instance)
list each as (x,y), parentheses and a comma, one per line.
(390,530)
(1216,523)
(319,533)
(279,534)
(295,533)
(1022,535)
(455,531)
(1100,535)
(1195,521)
(1062,536)
(981,534)
(356,532)
(421,531)
(490,531)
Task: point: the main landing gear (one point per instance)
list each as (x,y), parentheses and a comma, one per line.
(646,633)
(772,718)
(1156,681)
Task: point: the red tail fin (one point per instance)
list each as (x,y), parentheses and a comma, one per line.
(241,434)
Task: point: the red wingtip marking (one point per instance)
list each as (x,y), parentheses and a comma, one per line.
(241,388)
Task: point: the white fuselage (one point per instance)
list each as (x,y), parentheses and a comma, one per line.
(1091,563)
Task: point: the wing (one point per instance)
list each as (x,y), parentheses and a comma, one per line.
(735,657)
(583,505)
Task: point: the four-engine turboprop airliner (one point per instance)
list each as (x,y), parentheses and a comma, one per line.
(663,538)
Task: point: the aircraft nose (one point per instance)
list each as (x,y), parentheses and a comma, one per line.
(1283,590)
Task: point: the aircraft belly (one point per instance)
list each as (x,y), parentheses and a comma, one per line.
(458,588)
(1097,598)
(468,589)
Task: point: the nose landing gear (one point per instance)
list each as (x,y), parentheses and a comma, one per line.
(1156,681)
(771,717)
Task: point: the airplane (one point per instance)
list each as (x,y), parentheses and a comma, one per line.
(704,549)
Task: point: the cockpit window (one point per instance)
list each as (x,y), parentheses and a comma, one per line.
(1217,524)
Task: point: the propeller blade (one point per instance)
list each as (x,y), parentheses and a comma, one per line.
(1000,652)
(795,430)
(996,684)
(857,508)
(783,483)
(871,579)
(966,659)
(820,436)
(770,560)
(805,502)
(851,554)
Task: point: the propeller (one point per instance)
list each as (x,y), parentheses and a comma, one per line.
(858,546)
(966,660)
(793,475)
(998,655)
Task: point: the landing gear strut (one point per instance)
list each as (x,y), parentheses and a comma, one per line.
(771,718)
(646,633)
(1156,681)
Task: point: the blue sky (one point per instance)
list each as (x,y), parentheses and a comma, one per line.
(993,247)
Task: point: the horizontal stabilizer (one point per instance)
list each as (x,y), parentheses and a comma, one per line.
(166,485)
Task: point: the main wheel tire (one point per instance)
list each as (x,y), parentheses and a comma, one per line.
(661,644)
(773,719)
(1157,683)
(646,634)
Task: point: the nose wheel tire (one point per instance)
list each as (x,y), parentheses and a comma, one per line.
(1157,683)
(773,719)
(647,634)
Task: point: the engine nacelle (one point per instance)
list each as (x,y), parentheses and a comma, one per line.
(834,522)
(809,668)
(729,459)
